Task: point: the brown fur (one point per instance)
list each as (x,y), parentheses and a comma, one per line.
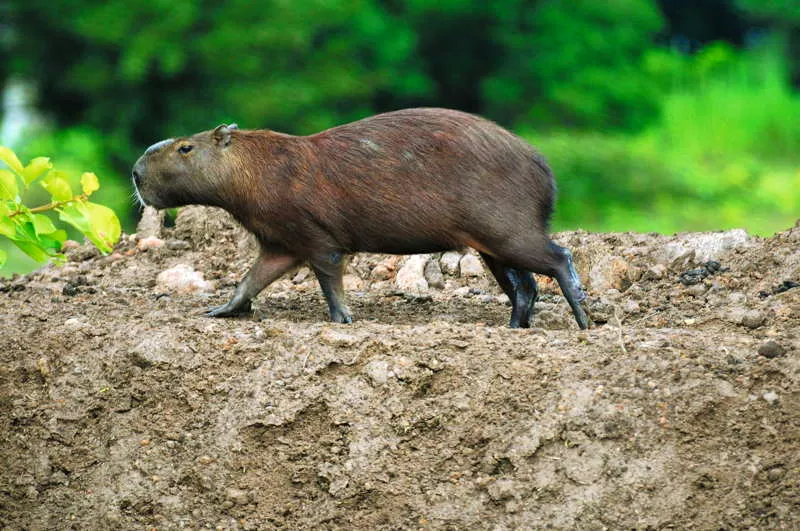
(411,181)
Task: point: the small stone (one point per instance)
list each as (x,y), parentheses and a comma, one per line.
(752,319)
(237,496)
(771,349)
(503,299)
(433,274)
(352,283)
(463,291)
(470,266)
(377,371)
(151,242)
(178,245)
(381,272)
(69,245)
(411,276)
(182,279)
(774,474)
(770,396)
(697,290)
(631,306)
(502,489)
(656,272)
(449,262)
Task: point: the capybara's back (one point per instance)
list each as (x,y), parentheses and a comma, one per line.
(410,181)
(426,180)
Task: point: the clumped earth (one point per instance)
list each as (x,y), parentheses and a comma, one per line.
(124,408)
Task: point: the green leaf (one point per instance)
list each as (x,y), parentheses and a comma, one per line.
(106,228)
(7,227)
(32,249)
(8,185)
(42,224)
(3,257)
(89,183)
(35,169)
(57,186)
(76,215)
(11,160)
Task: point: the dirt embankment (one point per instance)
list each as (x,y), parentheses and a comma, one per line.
(125,409)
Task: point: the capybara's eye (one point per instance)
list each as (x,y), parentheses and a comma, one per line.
(185,149)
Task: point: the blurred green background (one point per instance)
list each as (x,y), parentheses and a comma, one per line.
(655,115)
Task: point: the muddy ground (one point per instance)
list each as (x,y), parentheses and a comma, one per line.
(123,408)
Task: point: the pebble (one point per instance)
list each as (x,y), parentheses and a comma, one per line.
(449,262)
(178,245)
(151,242)
(301,275)
(470,266)
(770,396)
(237,496)
(433,274)
(381,272)
(753,318)
(182,279)
(771,349)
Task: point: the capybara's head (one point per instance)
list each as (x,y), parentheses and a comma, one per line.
(189,170)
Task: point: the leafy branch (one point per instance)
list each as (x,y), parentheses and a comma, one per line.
(35,233)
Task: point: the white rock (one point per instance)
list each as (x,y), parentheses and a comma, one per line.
(770,396)
(706,246)
(470,266)
(449,262)
(377,371)
(182,279)
(411,277)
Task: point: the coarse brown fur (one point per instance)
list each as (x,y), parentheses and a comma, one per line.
(410,181)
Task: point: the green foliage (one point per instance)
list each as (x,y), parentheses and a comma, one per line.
(33,232)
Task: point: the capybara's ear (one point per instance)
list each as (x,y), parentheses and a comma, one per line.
(222,134)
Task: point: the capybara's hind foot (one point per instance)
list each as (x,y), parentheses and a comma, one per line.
(229,310)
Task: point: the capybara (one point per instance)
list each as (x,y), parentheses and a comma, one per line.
(403,182)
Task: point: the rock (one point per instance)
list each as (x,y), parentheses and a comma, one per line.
(703,246)
(377,372)
(771,349)
(752,319)
(775,474)
(352,283)
(449,263)
(150,242)
(237,496)
(411,277)
(301,275)
(610,272)
(502,489)
(182,279)
(433,274)
(463,291)
(381,272)
(178,245)
(470,266)
(503,299)
(655,272)
(770,396)
(631,306)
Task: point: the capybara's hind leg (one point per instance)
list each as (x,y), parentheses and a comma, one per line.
(520,287)
(329,269)
(570,284)
(268,267)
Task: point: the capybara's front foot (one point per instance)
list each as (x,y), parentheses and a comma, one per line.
(229,310)
(342,316)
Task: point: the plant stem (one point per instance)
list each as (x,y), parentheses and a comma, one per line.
(49,206)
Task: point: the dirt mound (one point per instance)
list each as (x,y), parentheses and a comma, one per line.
(124,408)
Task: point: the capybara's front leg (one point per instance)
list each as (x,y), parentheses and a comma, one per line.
(268,267)
(329,269)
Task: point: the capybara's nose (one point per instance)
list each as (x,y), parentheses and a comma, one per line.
(137,178)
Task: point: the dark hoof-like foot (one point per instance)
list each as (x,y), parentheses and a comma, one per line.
(342,317)
(228,310)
